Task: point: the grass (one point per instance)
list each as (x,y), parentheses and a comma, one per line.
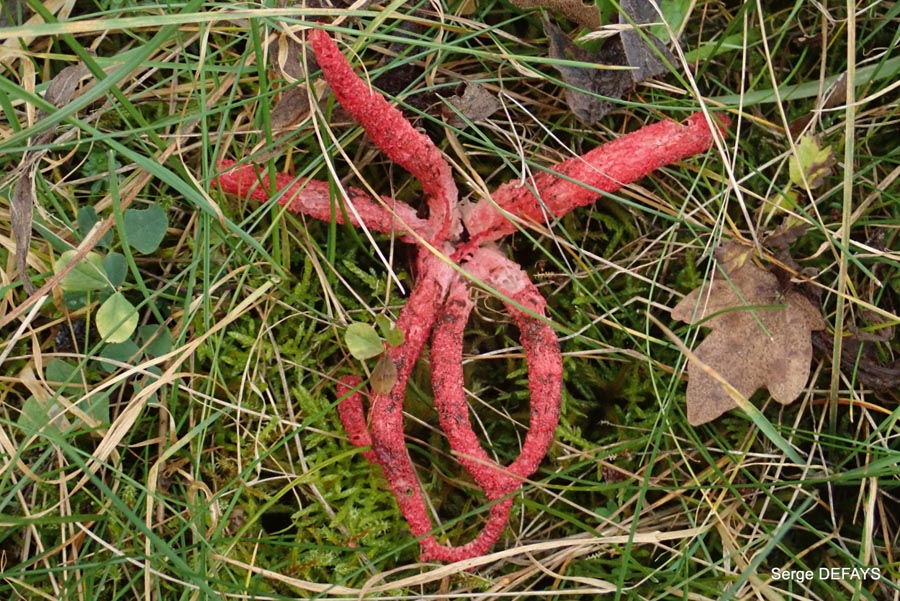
(202,456)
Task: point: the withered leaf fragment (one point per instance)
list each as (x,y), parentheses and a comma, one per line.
(475,104)
(21,220)
(645,62)
(63,86)
(59,93)
(14,12)
(293,105)
(628,55)
(290,109)
(761,336)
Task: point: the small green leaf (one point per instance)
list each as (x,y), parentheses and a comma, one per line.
(98,407)
(392,335)
(146,228)
(87,218)
(363,341)
(116,268)
(116,319)
(158,340)
(87,275)
(59,370)
(810,164)
(35,414)
(784,201)
(123,352)
(140,386)
(674,13)
(62,373)
(32,415)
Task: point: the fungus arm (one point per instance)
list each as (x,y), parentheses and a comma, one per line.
(579,181)
(542,355)
(393,134)
(313,197)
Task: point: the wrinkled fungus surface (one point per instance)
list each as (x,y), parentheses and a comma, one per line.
(439,304)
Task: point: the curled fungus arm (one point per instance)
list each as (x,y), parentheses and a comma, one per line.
(352,415)
(527,307)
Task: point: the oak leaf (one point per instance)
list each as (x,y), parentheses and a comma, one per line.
(761,336)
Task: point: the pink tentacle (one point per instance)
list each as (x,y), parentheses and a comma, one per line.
(353,417)
(389,447)
(392,133)
(541,347)
(489,534)
(313,198)
(450,401)
(416,321)
(579,181)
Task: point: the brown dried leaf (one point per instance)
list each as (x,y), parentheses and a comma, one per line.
(21,216)
(62,87)
(14,12)
(861,357)
(585,83)
(288,56)
(628,56)
(475,104)
(59,93)
(788,232)
(292,107)
(760,336)
(293,103)
(384,375)
(643,60)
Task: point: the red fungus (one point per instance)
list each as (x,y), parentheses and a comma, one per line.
(313,197)
(439,304)
(580,180)
(393,134)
